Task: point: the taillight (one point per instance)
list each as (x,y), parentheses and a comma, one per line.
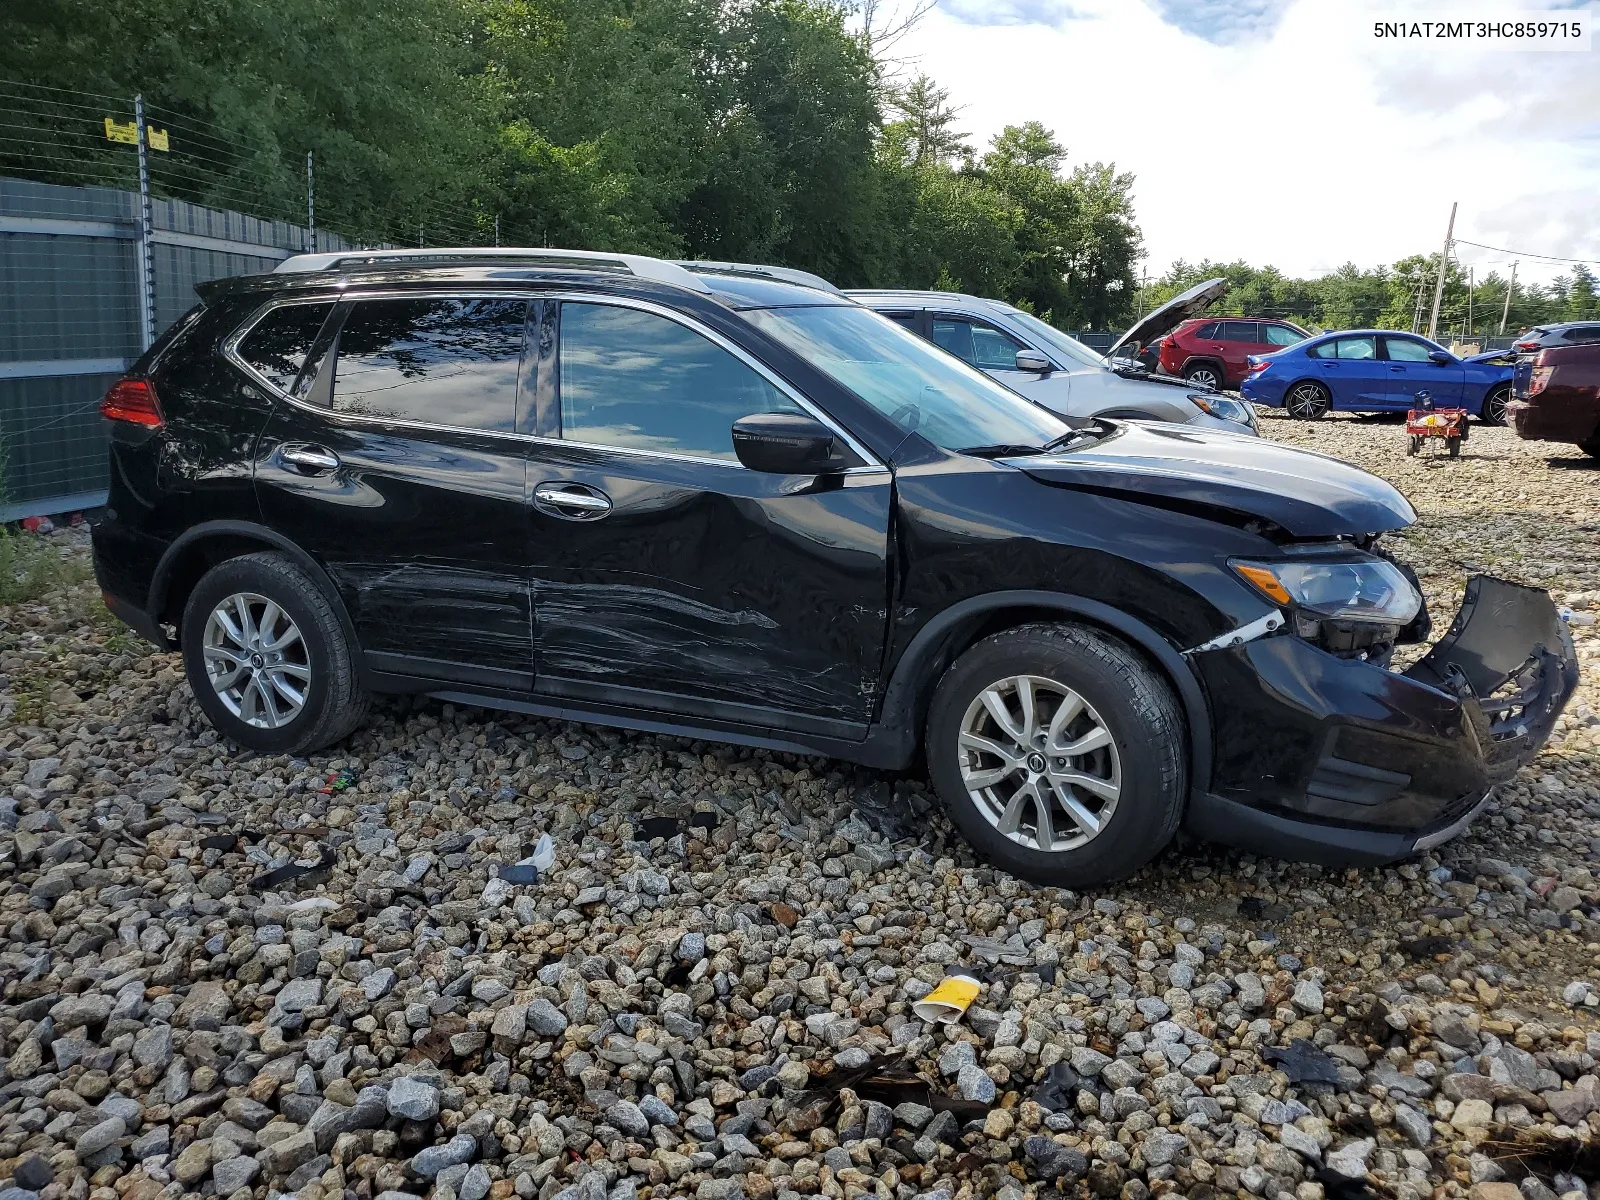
(1530,344)
(1257,367)
(1541,377)
(134,401)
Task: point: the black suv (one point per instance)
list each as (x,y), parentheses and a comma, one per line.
(728,502)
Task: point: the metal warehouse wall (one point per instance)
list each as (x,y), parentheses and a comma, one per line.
(70,318)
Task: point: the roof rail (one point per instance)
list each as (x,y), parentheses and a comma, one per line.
(761,271)
(640,265)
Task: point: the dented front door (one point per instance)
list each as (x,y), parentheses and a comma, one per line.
(707,590)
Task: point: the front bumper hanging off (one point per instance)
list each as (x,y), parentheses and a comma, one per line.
(1345,762)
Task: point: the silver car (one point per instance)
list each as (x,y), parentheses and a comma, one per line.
(1060,373)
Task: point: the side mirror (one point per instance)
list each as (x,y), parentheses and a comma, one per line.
(1441,357)
(789,443)
(1032,360)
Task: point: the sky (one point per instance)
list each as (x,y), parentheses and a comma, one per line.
(1288,133)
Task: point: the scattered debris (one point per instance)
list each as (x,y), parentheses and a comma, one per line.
(539,860)
(947,1002)
(304,872)
(1058,1090)
(1303,1062)
(1432,945)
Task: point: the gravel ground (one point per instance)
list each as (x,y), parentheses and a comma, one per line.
(723,1010)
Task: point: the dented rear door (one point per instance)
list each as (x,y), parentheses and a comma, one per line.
(399,468)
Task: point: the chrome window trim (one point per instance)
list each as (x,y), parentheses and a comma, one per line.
(230,350)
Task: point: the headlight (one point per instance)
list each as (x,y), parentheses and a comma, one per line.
(1367,590)
(1225,407)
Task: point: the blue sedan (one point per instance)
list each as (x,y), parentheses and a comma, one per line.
(1375,370)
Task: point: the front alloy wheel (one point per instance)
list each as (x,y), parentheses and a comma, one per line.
(256,660)
(1059,752)
(1039,763)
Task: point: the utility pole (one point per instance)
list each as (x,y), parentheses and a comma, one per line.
(1468,333)
(1444,259)
(311,202)
(497,230)
(1510,288)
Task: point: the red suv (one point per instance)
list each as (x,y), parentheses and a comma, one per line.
(1211,351)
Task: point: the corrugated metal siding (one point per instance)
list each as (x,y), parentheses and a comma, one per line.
(65,299)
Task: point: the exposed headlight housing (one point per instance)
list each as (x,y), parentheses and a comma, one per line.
(1350,604)
(1225,407)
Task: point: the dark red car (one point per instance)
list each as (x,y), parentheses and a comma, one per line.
(1558,396)
(1211,351)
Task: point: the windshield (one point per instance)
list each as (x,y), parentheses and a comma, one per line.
(912,382)
(1070,347)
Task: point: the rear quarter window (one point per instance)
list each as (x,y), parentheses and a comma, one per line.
(277,345)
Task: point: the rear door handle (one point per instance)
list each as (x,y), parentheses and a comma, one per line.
(574,501)
(309,460)
(1398,370)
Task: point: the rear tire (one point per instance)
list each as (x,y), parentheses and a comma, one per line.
(1205,374)
(1493,411)
(267,657)
(1109,806)
(1307,401)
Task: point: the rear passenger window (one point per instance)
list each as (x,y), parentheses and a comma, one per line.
(443,361)
(636,380)
(1351,348)
(1240,331)
(1208,331)
(276,348)
(1582,333)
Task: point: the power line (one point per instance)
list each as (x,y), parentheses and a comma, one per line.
(1592,262)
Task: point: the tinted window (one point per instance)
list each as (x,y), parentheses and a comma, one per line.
(1406,350)
(981,345)
(1208,331)
(1582,333)
(904,320)
(635,379)
(446,362)
(1281,335)
(278,345)
(1240,331)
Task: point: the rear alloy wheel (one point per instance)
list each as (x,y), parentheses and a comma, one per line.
(1307,401)
(267,658)
(1059,753)
(1493,411)
(1207,375)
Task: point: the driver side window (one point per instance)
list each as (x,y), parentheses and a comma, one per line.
(1406,350)
(982,345)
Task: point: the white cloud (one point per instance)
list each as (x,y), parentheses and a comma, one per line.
(1288,133)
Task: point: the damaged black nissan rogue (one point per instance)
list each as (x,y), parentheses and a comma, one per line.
(727,502)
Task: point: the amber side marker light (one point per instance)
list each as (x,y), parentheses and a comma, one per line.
(133,401)
(1265,581)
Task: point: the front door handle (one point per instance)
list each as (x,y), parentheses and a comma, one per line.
(309,460)
(574,501)
(1398,370)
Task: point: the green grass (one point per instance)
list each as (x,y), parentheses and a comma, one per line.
(32,567)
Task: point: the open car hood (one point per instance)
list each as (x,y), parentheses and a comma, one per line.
(1171,314)
(1307,494)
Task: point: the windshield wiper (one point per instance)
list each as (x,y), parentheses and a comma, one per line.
(1002,450)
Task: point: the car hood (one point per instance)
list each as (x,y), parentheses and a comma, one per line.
(1307,494)
(1171,314)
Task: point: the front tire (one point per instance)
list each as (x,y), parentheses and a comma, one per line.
(267,657)
(1059,753)
(1308,401)
(1493,411)
(1204,375)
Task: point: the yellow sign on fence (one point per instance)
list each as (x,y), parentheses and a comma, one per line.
(155,139)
